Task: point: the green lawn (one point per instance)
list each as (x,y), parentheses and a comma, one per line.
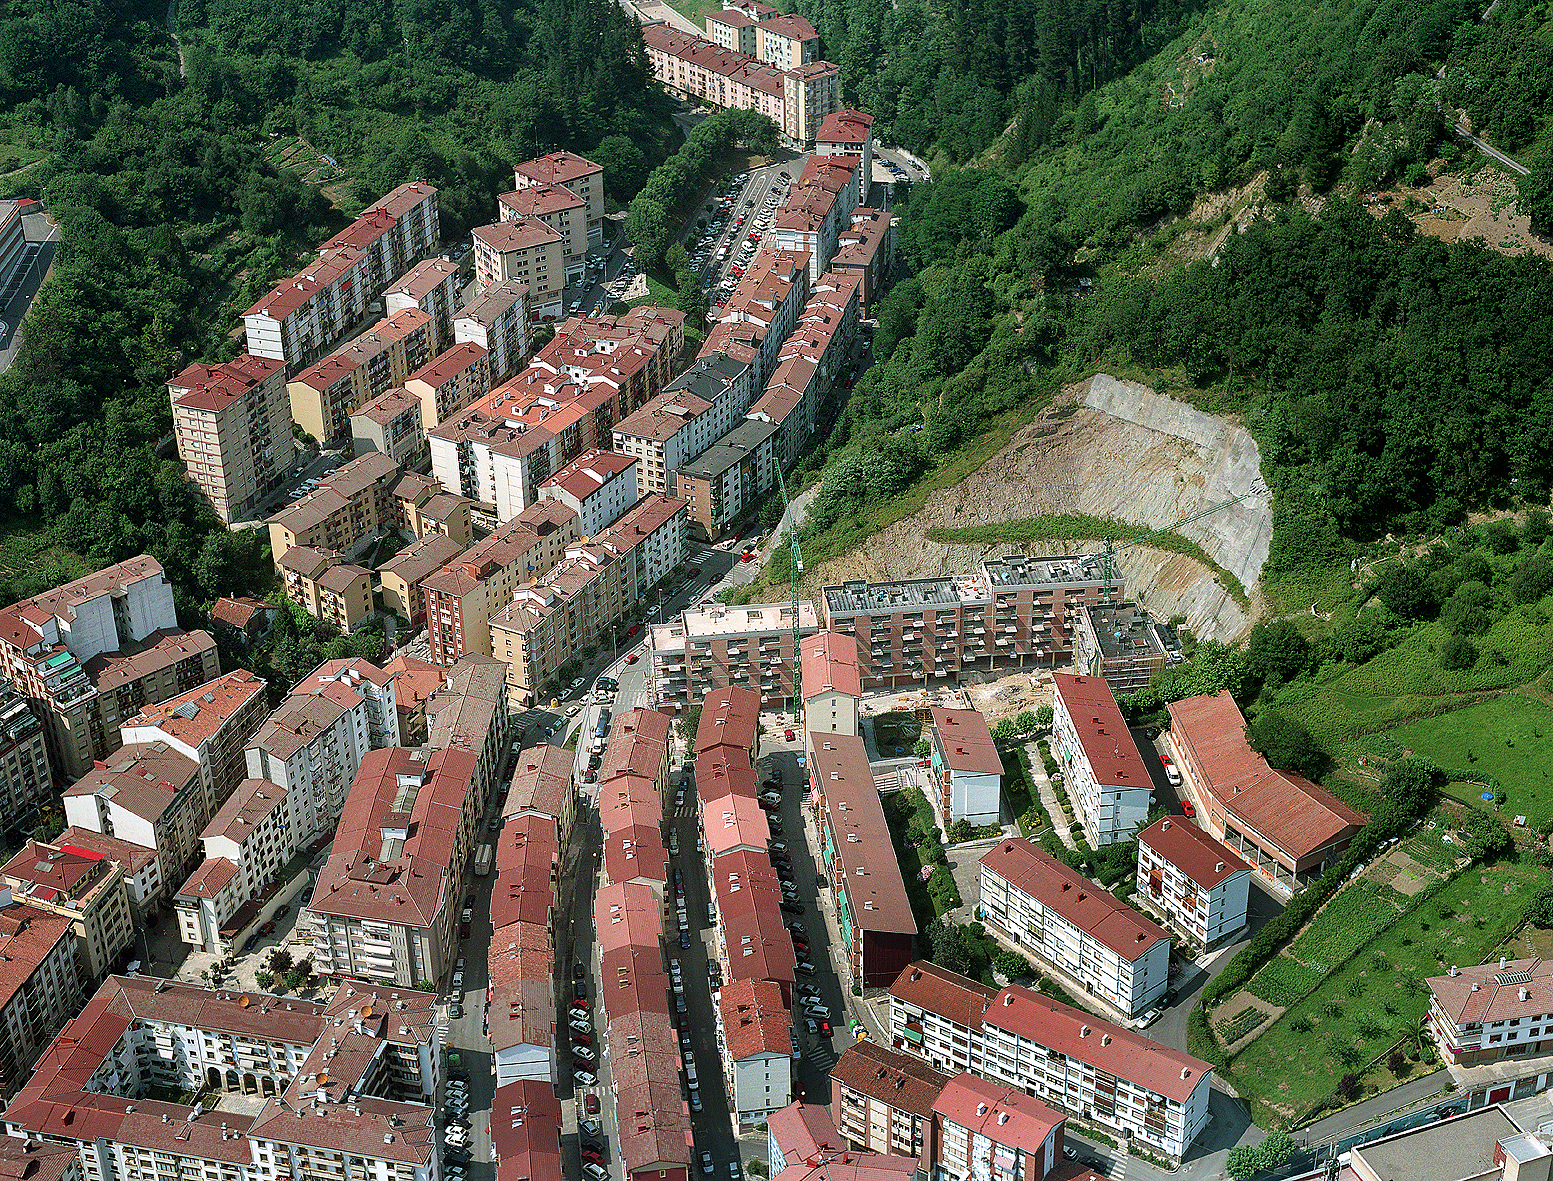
(1362,1009)
(1406,682)
(1508,737)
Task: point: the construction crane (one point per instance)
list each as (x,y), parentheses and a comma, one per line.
(797,564)
(1107,555)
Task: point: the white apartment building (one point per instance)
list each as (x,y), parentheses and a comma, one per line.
(988,1130)
(1042,907)
(576,173)
(497,320)
(300,318)
(149,795)
(652,535)
(599,486)
(753,1030)
(255,835)
(1198,885)
(1077,1063)
(363,1065)
(1107,780)
(1491,1012)
(233,427)
(314,742)
(968,771)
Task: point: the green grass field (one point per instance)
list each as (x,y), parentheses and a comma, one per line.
(1406,682)
(1508,737)
(1362,1009)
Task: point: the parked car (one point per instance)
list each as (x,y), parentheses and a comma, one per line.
(1188,808)
(586,1077)
(590,1104)
(788,734)
(706,1161)
(791,907)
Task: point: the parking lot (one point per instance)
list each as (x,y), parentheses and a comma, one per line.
(738,214)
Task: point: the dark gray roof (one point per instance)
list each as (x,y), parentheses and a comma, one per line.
(732,448)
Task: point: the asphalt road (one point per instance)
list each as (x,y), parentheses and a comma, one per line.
(468,1034)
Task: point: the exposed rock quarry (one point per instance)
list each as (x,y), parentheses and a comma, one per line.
(1106,448)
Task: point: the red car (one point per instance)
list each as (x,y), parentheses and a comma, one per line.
(787,734)
(635,627)
(745,557)
(589,775)
(633,658)
(824,1028)
(591,1104)
(267,928)
(1187,808)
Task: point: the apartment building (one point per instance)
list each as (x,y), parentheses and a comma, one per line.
(800,1132)
(809,365)
(848,133)
(866,248)
(599,486)
(754,944)
(730,720)
(797,98)
(966,768)
(498,452)
(450,381)
(246,844)
(148,795)
(770,298)
(301,317)
(433,286)
(1492,1012)
(313,744)
(832,679)
(404,573)
(391,424)
(349,510)
(520,958)
(873,913)
(39,990)
(95,650)
(1075,1062)
(526,251)
(573,172)
(364,1065)
(559,208)
(786,41)
(1195,883)
(817,210)
(327,587)
(1042,907)
(728,478)
(569,608)
(712,648)
(1013,612)
(232,423)
(462,597)
(1288,829)
(468,712)
(324,394)
(25,782)
(753,1031)
(210,725)
(423,509)
(251,618)
(652,536)
(497,320)
(732,29)
(1090,740)
(386,905)
(988,1129)
(1119,644)
(669,430)
(541,785)
(143,876)
(85,889)
(810,93)
(628,358)
(883,1100)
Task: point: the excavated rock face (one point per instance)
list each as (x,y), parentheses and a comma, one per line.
(1107,449)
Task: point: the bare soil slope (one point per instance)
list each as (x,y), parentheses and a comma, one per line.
(1111,449)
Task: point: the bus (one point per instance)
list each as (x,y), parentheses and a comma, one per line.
(482,861)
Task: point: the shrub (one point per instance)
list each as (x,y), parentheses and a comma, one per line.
(1348,1086)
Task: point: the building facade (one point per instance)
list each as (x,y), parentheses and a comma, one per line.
(1195,883)
(233,427)
(716,647)
(85,889)
(1120,645)
(966,767)
(525,250)
(1040,906)
(497,320)
(324,394)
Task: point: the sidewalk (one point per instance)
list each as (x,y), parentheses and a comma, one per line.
(1048,794)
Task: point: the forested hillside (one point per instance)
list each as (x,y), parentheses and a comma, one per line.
(1393,382)
(175,213)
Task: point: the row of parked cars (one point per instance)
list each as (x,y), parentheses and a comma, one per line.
(456,1131)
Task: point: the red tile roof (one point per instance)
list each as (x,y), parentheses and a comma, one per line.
(541,781)
(1105,918)
(557,168)
(53,871)
(1107,743)
(541,199)
(831,662)
(802,1130)
(755,1021)
(1490,992)
(131,856)
(1196,854)
(938,990)
(238,612)
(966,741)
(851,1166)
(1288,810)
(194,717)
(748,898)
(522,234)
(1107,1047)
(847,126)
(900,1080)
(215,387)
(526,1131)
(212,876)
(528,860)
(729,717)
(866,866)
(1001,1114)
(28,935)
(589,472)
(28,1159)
